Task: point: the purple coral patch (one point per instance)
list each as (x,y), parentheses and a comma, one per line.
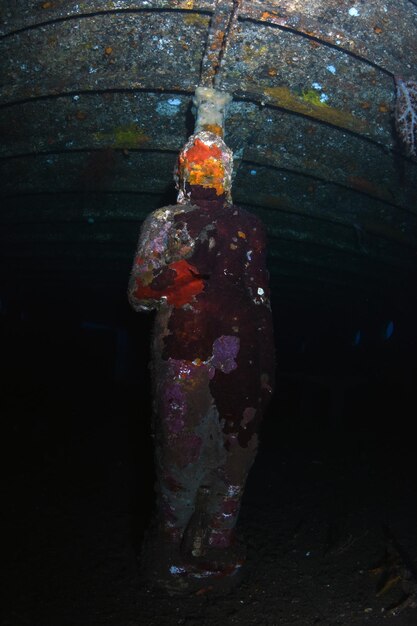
(225,351)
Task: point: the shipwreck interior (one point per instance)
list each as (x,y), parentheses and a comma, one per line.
(95,104)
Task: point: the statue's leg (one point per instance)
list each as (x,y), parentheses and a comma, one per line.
(201,474)
(224,505)
(188,441)
(210,541)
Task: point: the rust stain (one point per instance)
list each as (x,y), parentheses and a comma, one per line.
(367,186)
(363,184)
(273,18)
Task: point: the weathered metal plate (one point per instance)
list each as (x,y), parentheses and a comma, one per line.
(21,14)
(285,70)
(87,54)
(373,30)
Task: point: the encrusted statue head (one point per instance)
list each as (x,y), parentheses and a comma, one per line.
(204,169)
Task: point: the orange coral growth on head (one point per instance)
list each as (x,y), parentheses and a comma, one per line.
(210,174)
(202,165)
(200,152)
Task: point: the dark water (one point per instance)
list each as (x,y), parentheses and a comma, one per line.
(77,451)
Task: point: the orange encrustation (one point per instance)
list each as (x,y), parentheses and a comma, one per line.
(202,165)
(214,128)
(186,285)
(200,152)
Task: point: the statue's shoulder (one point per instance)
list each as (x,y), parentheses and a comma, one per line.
(161,225)
(169,213)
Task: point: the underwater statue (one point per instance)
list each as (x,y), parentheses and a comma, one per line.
(201,265)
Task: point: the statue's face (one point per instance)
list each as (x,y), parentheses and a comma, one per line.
(205,161)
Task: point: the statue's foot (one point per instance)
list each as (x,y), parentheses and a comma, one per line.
(216,571)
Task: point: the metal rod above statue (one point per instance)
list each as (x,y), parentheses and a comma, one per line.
(222,27)
(201,265)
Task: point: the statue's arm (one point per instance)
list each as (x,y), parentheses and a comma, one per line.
(161,275)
